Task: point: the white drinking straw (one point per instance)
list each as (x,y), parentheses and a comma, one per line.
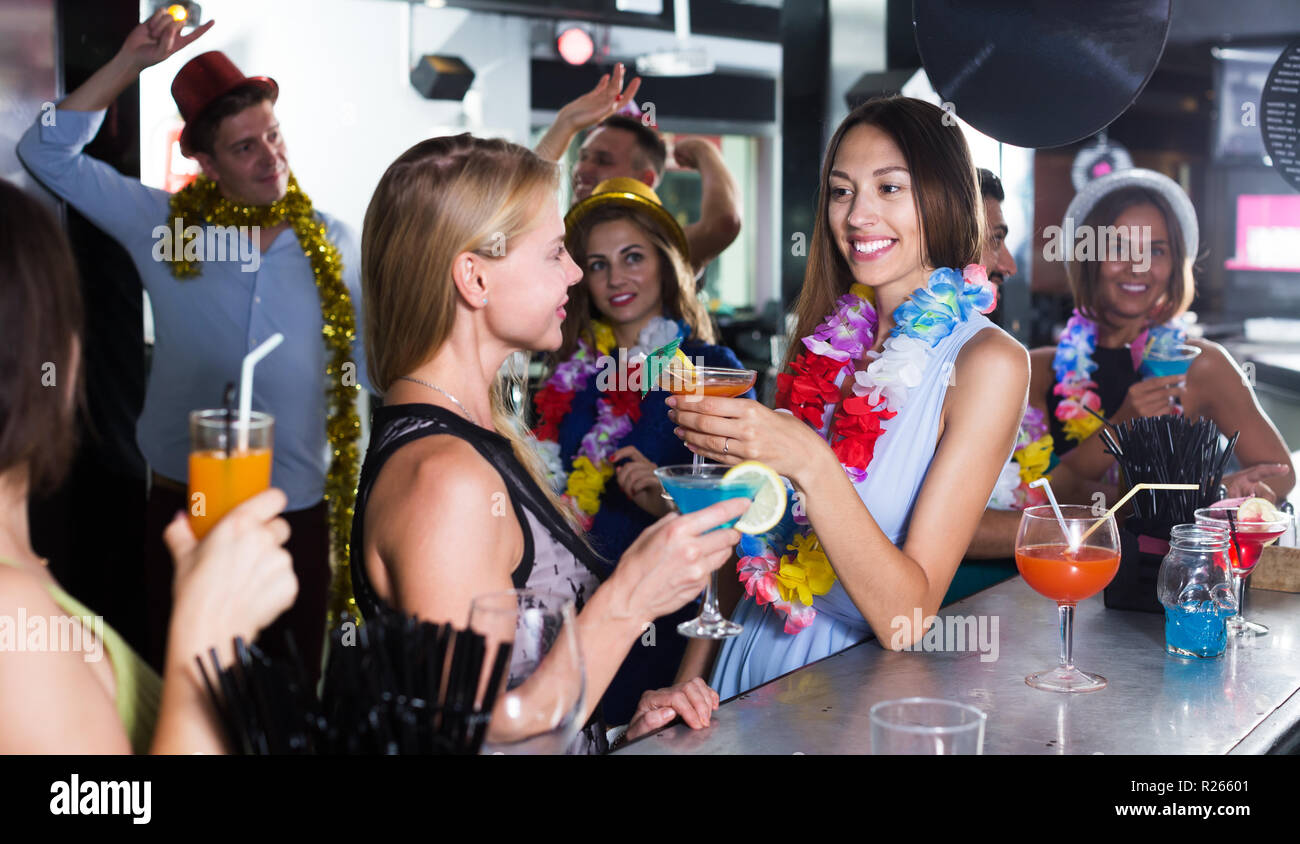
(1056,508)
(246,385)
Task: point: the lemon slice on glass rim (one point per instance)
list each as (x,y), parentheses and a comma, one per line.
(769,503)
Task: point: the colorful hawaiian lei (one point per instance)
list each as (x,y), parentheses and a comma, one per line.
(791,581)
(1030,460)
(617,411)
(1073,366)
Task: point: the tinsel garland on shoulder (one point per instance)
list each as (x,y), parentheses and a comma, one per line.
(201,204)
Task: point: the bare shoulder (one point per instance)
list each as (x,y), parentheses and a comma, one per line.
(1213,363)
(996,354)
(24,590)
(437,493)
(438,475)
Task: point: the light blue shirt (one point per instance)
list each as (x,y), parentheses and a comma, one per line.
(204,326)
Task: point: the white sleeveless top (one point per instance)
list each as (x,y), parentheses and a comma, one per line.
(764,651)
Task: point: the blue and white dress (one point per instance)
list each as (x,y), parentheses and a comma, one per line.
(764,651)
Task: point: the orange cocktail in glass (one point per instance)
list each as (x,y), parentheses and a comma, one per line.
(226,467)
(1056,563)
(708,381)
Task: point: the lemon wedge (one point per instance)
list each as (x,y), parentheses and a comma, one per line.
(1257,510)
(769,503)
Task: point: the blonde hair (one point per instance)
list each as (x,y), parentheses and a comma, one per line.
(677,283)
(440,198)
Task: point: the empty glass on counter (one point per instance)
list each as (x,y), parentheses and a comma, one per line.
(922,726)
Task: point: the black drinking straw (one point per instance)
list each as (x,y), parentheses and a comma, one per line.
(228,403)
(1232,531)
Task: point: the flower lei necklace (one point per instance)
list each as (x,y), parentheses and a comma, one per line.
(1031,459)
(200,203)
(617,411)
(790,581)
(1073,366)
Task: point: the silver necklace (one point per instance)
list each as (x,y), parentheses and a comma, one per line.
(454,400)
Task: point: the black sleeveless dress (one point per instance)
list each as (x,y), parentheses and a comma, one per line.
(554,559)
(1114,375)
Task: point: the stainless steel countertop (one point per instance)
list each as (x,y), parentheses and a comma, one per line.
(1242,702)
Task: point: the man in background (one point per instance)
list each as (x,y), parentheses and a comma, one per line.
(625,145)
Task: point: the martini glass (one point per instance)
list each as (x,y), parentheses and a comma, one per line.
(1176,361)
(694,488)
(708,381)
(1243,554)
(1054,564)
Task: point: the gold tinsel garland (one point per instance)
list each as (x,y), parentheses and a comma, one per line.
(201,203)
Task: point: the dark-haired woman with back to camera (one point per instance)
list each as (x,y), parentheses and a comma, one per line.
(58,699)
(897,408)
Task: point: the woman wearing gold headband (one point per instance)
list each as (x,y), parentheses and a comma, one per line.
(602,437)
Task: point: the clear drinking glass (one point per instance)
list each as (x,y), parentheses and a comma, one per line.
(227,465)
(539,711)
(1056,564)
(924,726)
(708,381)
(693,488)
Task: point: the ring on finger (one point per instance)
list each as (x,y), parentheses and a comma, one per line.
(726,443)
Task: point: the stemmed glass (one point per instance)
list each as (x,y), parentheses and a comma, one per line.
(708,381)
(694,488)
(1243,554)
(1055,564)
(540,709)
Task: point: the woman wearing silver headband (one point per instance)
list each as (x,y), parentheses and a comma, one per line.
(1129,240)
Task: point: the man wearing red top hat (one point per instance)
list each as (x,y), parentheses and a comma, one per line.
(230,260)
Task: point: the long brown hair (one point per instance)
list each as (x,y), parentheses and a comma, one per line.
(40,321)
(677,284)
(442,197)
(1083,275)
(945,192)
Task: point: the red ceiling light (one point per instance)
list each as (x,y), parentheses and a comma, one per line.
(575,46)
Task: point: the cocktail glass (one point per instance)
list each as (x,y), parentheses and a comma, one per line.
(694,488)
(1175,361)
(225,472)
(1054,564)
(707,381)
(1243,554)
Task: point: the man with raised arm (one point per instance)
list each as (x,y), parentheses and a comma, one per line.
(622,145)
(234,258)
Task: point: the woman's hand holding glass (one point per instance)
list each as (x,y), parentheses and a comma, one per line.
(726,430)
(234,582)
(670,562)
(1152,397)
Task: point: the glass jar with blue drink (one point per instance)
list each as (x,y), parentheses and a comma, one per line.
(1195,587)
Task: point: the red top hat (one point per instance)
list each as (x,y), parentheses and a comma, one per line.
(203,79)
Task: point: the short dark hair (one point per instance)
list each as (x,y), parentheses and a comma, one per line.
(40,316)
(202,134)
(991,186)
(648,142)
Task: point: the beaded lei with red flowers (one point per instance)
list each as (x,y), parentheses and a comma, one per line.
(789,581)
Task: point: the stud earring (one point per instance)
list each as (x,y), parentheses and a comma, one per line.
(485,300)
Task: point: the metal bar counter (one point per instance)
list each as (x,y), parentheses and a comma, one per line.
(1246,701)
